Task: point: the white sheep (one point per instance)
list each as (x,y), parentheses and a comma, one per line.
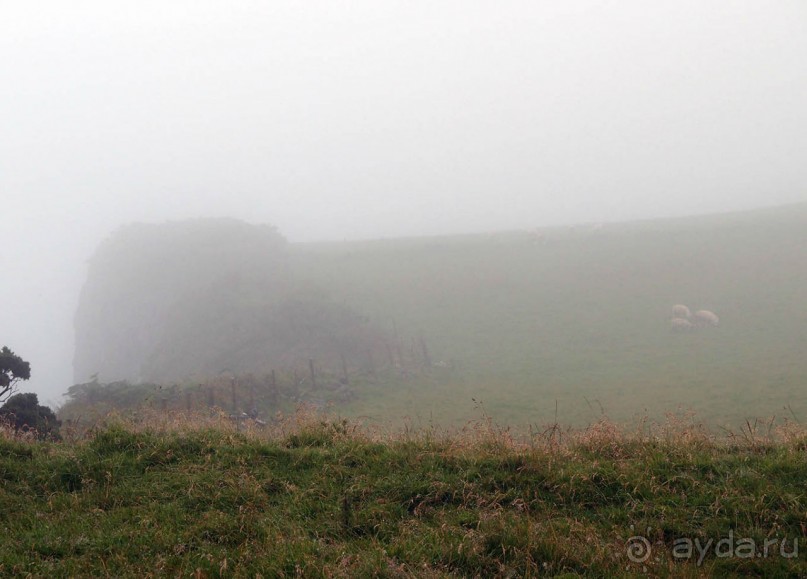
(706,318)
(681,311)
(680,325)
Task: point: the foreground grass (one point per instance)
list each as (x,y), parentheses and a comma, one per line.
(316,497)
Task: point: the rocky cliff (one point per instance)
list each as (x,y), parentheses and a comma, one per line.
(192,299)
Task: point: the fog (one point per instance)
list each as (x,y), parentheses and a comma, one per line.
(338,120)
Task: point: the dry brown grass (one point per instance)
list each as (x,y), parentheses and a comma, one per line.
(604,437)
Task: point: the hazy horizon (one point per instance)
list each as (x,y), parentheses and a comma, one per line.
(366,120)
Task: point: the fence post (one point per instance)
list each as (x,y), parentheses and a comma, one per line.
(235,396)
(371,362)
(345,376)
(398,343)
(427,359)
(313,374)
(273,393)
(389,354)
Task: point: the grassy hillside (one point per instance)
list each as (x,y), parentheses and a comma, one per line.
(578,318)
(316,498)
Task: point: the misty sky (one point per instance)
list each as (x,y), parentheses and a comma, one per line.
(375,118)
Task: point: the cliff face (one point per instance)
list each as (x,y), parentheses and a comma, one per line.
(164,302)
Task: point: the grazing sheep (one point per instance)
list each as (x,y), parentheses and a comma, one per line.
(681,311)
(706,318)
(680,325)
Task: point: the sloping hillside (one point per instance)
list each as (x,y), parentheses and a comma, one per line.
(579,317)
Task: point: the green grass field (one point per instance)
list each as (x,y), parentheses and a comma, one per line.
(311,497)
(577,319)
